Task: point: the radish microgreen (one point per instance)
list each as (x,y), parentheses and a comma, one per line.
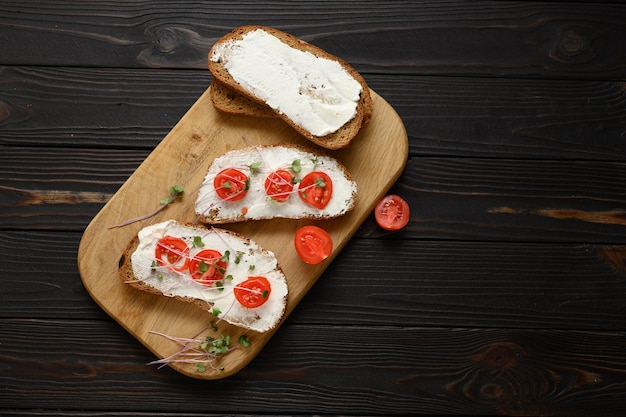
(243,341)
(203,352)
(295,166)
(255,167)
(197,242)
(238,257)
(319,182)
(176,191)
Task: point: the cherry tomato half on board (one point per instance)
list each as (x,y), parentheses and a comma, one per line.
(207,267)
(316,189)
(278,185)
(253,292)
(313,244)
(392,212)
(172,252)
(231,184)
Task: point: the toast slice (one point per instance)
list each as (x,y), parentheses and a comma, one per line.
(228,100)
(254,193)
(318,94)
(141,268)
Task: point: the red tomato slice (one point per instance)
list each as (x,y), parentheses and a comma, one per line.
(172,252)
(313,244)
(278,185)
(316,189)
(231,184)
(206,267)
(253,292)
(392,212)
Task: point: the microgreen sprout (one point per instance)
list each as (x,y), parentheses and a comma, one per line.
(295,166)
(319,182)
(200,351)
(255,167)
(238,257)
(176,191)
(197,242)
(243,341)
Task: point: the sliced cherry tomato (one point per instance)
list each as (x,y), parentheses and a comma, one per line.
(316,189)
(392,212)
(278,185)
(206,266)
(172,252)
(231,184)
(313,244)
(253,292)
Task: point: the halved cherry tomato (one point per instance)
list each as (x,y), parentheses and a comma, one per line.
(278,185)
(172,252)
(231,184)
(313,244)
(253,292)
(316,189)
(392,212)
(206,266)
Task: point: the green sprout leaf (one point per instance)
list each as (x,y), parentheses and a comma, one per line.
(243,341)
(295,166)
(197,242)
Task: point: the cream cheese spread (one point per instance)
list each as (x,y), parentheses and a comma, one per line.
(316,93)
(256,204)
(253,261)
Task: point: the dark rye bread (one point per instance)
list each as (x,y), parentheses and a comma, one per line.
(336,140)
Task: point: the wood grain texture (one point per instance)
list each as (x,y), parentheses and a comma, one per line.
(455,37)
(516,199)
(324,369)
(453,116)
(202,135)
(426,283)
(504,295)
(451,198)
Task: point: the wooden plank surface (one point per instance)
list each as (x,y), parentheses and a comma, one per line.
(538,39)
(348,370)
(522,99)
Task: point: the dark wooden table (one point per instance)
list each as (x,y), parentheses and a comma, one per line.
(505,294)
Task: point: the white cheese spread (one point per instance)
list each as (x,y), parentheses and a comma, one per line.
(316,93)
(252,262)
(256,205)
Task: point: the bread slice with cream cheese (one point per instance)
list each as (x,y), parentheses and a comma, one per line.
(257,163)
(242,257)
(318,94)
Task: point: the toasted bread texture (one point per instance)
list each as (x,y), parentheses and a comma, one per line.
(230,101)
(257,163)
(341,137)
(138,268)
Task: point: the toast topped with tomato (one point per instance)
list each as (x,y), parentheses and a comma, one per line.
(275,181)
(218,270)
(318,94)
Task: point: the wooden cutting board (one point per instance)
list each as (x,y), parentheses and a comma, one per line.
(375,159)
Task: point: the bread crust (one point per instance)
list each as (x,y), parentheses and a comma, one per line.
(336,140)
(230,101)
(125,270)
